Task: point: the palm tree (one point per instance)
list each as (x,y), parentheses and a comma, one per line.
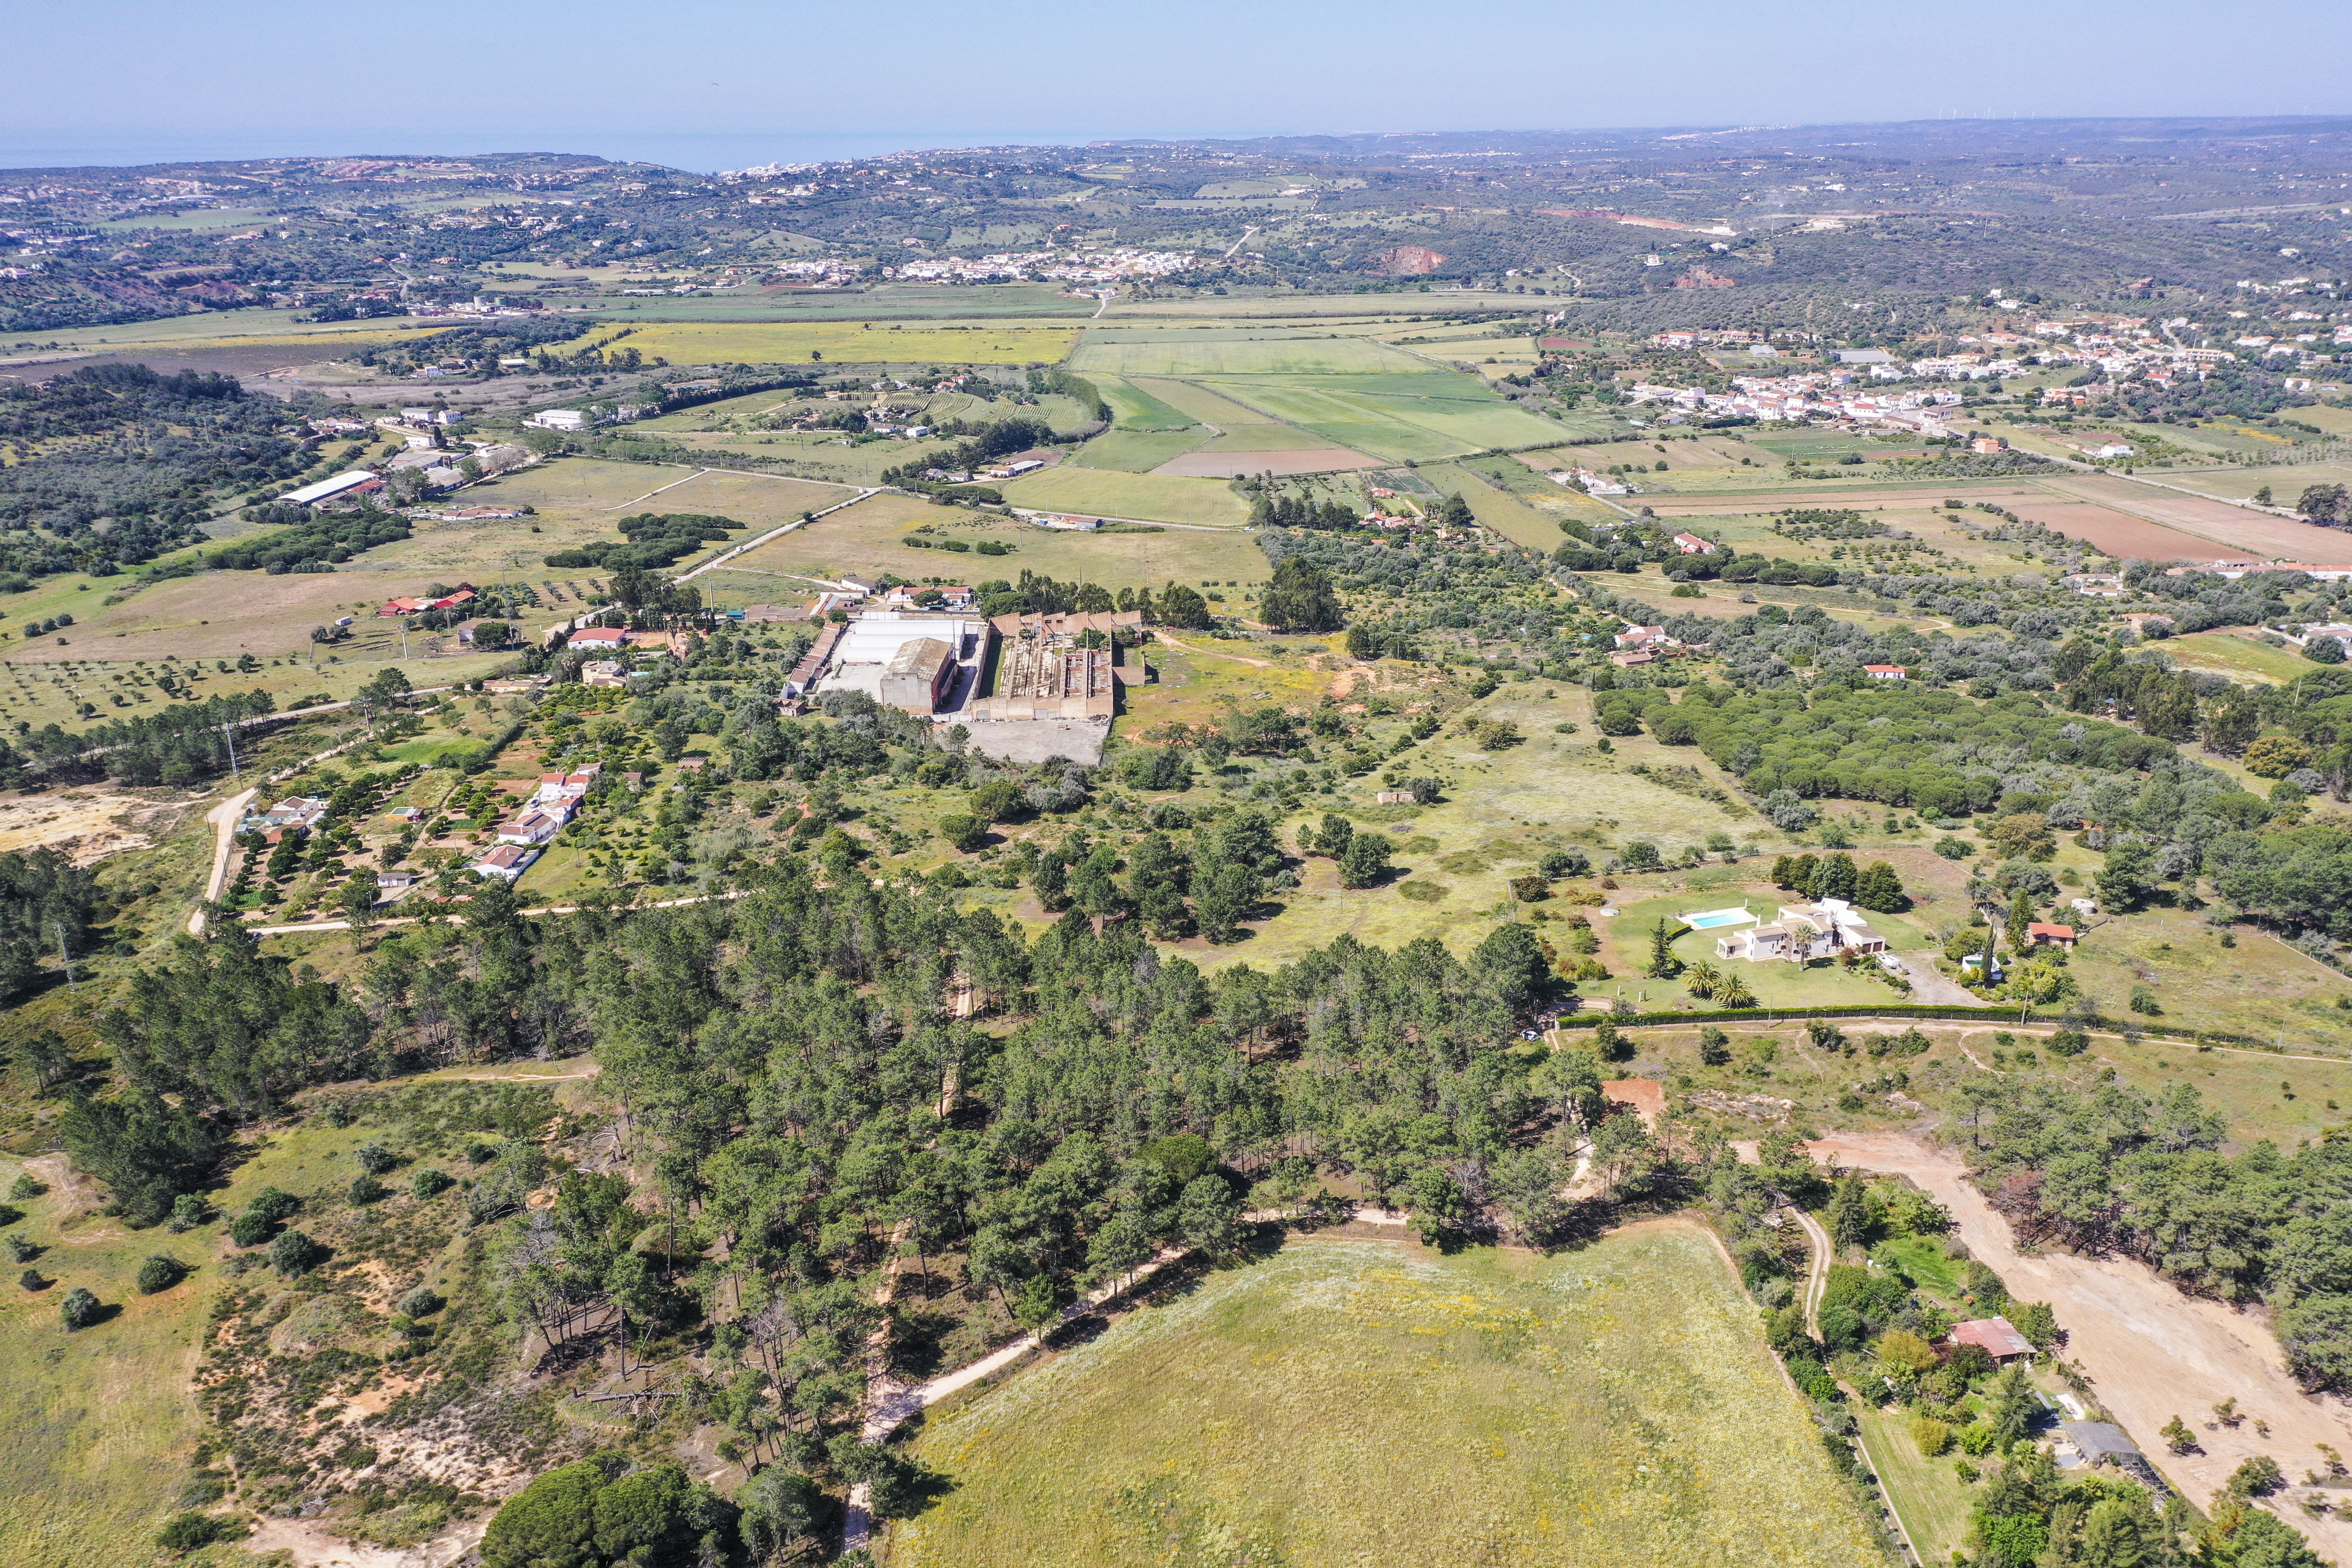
(1702,979)
(1734,993)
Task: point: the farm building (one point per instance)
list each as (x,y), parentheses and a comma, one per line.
(2042,933)
(1997,1337)
(1885,671)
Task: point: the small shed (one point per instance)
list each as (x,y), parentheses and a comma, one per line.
(2042,933)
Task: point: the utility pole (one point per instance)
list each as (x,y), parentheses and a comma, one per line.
(236,778)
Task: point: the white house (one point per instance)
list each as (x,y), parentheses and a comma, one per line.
(558,419)
(1828,928)
(507,862)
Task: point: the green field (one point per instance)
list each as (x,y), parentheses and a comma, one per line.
(1192,354)
(1345,1403)
(1105,492)
(1273,390)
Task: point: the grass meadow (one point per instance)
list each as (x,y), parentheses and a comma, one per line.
(865,538)
(1932,1500)
(1367,1402)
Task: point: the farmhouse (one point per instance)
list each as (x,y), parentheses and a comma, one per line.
(1997,1337)
(507,862)
(558,419)
(612,638)
(1885,671)
(1692,545)
(603,672)
(2041,933)
(343,487)
(462,594)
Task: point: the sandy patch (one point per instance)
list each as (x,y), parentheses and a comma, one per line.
(1297,460)
(2150,1352)
(311,1547)
(87,824)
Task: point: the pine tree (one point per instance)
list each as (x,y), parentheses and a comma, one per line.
(1663,964)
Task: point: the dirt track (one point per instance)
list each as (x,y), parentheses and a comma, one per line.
(2150,1352)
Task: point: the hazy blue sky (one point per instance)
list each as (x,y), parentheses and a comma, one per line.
(720,83)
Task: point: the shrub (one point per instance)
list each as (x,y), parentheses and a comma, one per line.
(1953,848)
(2258,1476)
(187,1531)
(274,1205)
(79,1310)
(250,1229)
(430,1183)
(2069,1043)
(1935,1438)
(364,1190)
(189,1210)
(293,1254)
(26,1188)
(375,1158)
(159,1273)
(22,1251)
(964,833)
(420,1301)
(1561,863)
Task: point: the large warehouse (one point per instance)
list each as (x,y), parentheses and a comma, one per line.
(905,659)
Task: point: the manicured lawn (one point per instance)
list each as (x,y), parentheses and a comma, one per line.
(1371,1402)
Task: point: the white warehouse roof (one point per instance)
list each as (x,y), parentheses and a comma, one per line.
(310,494)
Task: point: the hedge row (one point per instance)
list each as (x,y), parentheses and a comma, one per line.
(1902,1010)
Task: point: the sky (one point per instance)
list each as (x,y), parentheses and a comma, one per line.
(715,84)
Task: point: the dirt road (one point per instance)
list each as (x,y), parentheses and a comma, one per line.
(2150,1352)
(223,818)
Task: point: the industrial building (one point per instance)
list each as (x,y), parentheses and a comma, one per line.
(918,663)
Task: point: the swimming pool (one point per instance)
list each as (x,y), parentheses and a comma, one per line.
(1708,919)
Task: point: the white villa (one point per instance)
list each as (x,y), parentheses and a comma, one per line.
(1828,929)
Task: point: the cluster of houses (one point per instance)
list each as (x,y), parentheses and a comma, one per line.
(1076,267)
(543,815)
(1809,394)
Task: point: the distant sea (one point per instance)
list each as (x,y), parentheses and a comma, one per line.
(703,153)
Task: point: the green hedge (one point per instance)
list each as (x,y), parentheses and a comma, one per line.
(1901,1010)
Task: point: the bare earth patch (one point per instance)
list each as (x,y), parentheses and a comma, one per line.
(87,824)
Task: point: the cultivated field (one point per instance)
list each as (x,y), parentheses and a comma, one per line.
(2236,529)
(1362,1402)
(856,343)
